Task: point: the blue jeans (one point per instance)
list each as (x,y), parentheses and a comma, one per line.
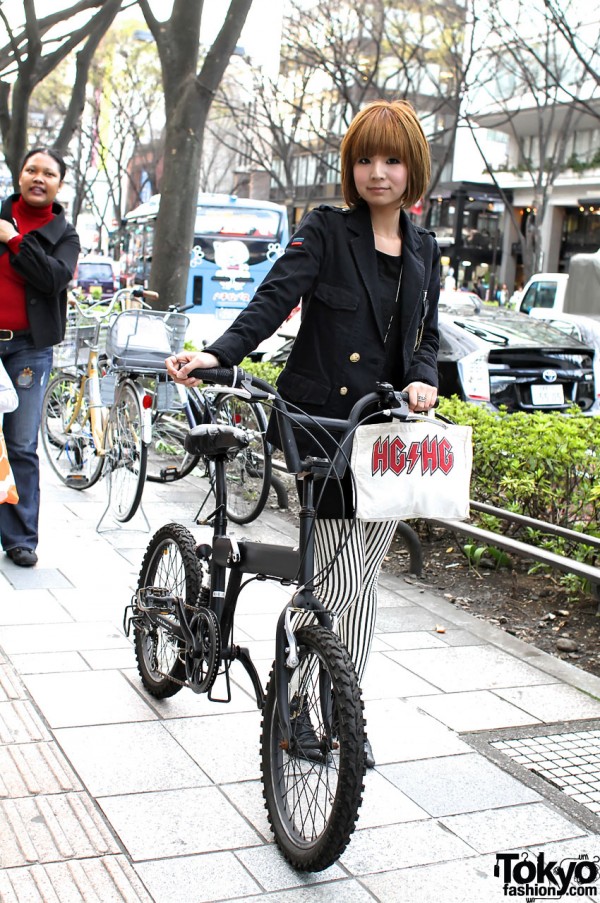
(29,368)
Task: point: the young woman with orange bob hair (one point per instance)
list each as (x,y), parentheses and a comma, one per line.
(369,282)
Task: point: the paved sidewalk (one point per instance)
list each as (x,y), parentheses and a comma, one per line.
(484,745)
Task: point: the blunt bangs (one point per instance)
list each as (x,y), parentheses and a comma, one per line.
(393,130)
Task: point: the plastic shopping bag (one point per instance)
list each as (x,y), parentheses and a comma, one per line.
(9,400)
(8,489)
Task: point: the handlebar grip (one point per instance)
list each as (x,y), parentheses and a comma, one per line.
(221,376)
(151,296)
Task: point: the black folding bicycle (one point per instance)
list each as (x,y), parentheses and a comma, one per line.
(182,614)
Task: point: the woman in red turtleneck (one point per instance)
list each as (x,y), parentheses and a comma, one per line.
(38,255)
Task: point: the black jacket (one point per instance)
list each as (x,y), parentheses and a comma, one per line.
(46,260)
(338,354)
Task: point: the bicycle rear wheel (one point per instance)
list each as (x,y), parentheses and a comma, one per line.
(66,433)
(249,474)
(170,567)
(126,452)
(167,458)
(313,788)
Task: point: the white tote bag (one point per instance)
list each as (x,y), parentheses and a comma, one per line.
(9,400)
(409,469)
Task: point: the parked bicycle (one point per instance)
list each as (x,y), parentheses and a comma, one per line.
(97,418)
(183,612)
(248,474)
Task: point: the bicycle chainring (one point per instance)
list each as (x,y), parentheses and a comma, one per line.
(202,668)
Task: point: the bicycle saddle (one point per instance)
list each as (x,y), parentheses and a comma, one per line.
(214,439)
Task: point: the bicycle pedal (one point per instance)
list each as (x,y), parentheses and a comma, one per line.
(169,474)
(76,480)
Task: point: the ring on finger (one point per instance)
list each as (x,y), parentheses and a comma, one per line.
(421,398)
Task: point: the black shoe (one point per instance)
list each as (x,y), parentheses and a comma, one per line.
(369,757)
(307,745)
(25,558)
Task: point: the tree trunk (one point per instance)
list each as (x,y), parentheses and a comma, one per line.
(190,100)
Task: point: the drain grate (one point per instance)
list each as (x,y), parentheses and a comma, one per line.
(561,761)
(571,762)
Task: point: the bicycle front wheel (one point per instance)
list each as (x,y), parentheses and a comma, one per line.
(67,434)
(249,474)
(169,566)
(126,452)
(313,785)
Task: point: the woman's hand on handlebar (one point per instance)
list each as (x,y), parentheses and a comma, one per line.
(421,397)
(180,365)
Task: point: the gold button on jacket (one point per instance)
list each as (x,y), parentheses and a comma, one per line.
(355,357)
(343,390)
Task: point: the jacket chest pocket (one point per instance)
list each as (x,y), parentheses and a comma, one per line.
(336,298)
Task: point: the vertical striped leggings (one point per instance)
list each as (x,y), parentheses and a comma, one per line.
(348,558)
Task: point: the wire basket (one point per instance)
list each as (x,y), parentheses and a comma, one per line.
(74,350)
(140,340)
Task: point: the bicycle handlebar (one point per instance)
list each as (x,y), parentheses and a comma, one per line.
(384,400)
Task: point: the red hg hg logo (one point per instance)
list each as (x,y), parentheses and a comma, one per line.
(393,455)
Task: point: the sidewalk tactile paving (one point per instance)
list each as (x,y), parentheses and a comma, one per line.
(570,761)
(34,768)
(50,828)
(20,723)
(109,879)
(10,685)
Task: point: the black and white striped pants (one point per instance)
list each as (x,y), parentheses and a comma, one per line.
(348,558)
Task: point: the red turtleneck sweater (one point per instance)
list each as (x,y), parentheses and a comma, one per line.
(13,310)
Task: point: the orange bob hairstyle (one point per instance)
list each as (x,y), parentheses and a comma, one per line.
(390,128)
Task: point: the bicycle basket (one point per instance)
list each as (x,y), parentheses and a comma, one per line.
(140,340)
(74,350)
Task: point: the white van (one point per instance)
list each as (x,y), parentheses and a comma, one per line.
(575,292)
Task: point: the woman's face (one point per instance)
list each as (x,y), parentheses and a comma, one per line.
(380,181)
(40,180)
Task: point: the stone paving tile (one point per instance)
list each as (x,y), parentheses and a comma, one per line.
(107,760)
(169,823)
(248,799)
(555,702)
(465,881)
(36,606)
(11,687)
(20,723)
(187,704)
(49,662)
(94,697)
(401,846)
(201,879)
(227,747)
(70,637)
(453,784)
(399,733)
(456,636)
(479,710)
(415,639)
(35,578)
(34,768)
(385,804)
(48,828)
(343,891)
(386,678)
(108,659)
(496,830)
(272,872)
(106,879)
(470,668)
(400,620)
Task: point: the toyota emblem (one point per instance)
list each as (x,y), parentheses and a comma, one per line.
(549,376)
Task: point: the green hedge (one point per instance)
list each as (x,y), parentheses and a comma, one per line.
(543,465)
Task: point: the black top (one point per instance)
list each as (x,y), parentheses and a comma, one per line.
(389,270)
